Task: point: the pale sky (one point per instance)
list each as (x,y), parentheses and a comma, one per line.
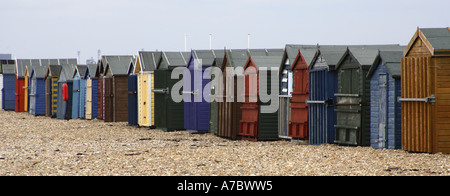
(60,28)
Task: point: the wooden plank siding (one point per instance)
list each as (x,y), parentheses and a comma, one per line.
(426,72)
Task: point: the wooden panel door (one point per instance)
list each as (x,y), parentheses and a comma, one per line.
(382,110)
(298,125)
(418,79)
(108,102)
(89,99)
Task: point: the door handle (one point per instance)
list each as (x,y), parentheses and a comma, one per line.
(430,99)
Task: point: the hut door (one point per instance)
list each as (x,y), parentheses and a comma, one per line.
(108,104)
(417,103)
(48,97)
(382,111)
(348,108)
(298,125)
(32,96)
(89,99)
(76,99)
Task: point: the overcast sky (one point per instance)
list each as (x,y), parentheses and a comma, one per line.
(60,28)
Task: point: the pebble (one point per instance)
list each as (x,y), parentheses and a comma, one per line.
(42,146)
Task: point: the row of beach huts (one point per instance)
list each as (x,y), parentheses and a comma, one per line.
(384,96)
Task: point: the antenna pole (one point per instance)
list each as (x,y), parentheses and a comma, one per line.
(210,41)
(248,40)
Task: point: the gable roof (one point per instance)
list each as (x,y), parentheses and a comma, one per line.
(365,55)
(38,71)
(206,56)
(66,73)
(118,65)
(81,70)
(173,59)
(149,60)
(91,72)
(264,61)
(291,52)
(21,66)
(391,60)
(437,40)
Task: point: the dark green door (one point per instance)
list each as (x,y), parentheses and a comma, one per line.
(348,107)
(160,99)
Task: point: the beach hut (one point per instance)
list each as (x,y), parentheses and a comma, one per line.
(322,87)
(293,117)
(169,115)
(255,124)
(229,108)
(132,94)
(79,92)
(425,92)
(385,110)
(197,106)
(91,91)
(353,96)
(37,90)
(286,84)
(51,89)
(214,104)
(64,107)
(4,60)
(144,68)
(20,84)
(8,80)
(115,91)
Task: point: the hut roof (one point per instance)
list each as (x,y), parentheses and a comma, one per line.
(149,60)
(118,65)
(390,59)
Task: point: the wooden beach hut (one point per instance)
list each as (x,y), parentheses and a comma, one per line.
(64,107)
(132,94)
(79,92)
(91,91)
(8,80)
(353,96)
(144,68)
(255,124)
(169,115)
(20,84)
(197,106)
(385,110)
(425,92)
(115,91)
(51,89)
